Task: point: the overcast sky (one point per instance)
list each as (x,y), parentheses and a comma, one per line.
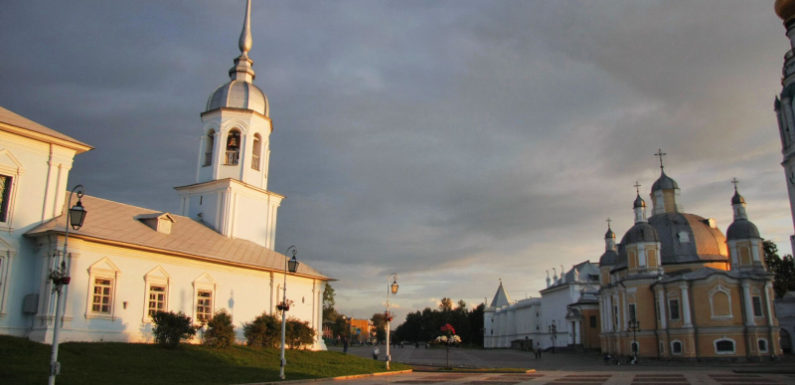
(451,142)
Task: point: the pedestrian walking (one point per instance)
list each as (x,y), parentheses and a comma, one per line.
(538,350)
(375,353)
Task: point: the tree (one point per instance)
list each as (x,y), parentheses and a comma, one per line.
(446,304)
(220,331)
(783,269)
(328,298)
(263,331)
(171,328)
(298,334)
(379,323)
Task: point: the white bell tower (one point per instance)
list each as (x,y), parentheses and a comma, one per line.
(231,190)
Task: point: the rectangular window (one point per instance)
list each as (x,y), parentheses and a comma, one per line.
(157,299)
(757,302)
(101,302)
(592,321)
(632,312)
(5,196)
(674,305)
(204,305)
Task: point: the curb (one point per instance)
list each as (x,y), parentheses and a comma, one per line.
(338,378)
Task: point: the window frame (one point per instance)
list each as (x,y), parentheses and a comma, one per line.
(724,339)
(256,153)
(681,345)
(155,277)
(756,306)
(204,283)
(760,341)
(102,269)
(209,148)
(232,153)
(674,310)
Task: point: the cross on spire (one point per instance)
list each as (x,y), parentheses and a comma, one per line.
(660,154)
(735,182)
(608,222)
(637,187)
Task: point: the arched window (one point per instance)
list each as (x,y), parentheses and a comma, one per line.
(209,143)
(762,345)
(676,347)
(720,303)
(233,147)
(256,152)
(724,346)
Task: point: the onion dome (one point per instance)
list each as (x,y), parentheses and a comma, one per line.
(609,258)
(785,9)
(610,233)
(737,199)
(664,182)
(639,202)
(742,229)
(640,232)
(240,92)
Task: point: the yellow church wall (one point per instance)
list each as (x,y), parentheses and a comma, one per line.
(717,303)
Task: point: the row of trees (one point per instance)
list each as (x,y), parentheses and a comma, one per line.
(783,269)
(423,326)
(265,331)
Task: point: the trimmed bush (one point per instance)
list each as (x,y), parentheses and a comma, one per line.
(171,328)
(298,334)
(220,331)
(265,330)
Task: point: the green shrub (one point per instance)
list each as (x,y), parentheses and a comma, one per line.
(171,328)
(298,334)
(263,331)
(220,331)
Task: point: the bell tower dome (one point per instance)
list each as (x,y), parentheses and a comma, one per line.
(231,190)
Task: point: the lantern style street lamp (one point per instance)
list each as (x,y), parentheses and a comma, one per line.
(60,276)
(284,306)
(634,325)
(553,330)
(390,288)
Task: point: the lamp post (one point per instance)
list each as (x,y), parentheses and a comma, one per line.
(553,329)
(390,288)
(284,306)
(634,325)
(60,276)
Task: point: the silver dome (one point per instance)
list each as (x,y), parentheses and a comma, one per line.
(239,94)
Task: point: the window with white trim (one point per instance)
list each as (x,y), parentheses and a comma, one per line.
(204,305)
(724,346)
(103,276)
(232,147)
(102,296)
(5,196)
(256,152)
(156,295)
(203,298)
(157,299)
(676,347)
(209,144)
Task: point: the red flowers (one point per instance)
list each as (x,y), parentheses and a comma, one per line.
(447,328)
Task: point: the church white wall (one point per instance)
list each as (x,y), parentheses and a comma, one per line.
(40,173)
(244,293)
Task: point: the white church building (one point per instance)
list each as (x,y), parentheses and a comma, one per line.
(127,262)
(559,318)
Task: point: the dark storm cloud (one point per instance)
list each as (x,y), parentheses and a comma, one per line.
(453,142)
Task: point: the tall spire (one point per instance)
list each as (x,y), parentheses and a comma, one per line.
(660,155)
(242,69)
(245,35)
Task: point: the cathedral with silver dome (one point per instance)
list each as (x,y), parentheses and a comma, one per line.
(676,287)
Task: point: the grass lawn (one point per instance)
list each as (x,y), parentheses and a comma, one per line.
(26,362)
